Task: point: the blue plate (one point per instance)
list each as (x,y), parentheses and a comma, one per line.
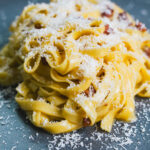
(17,133)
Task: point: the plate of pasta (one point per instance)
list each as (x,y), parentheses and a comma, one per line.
(75,74)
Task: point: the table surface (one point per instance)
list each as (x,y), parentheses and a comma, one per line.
(17,133)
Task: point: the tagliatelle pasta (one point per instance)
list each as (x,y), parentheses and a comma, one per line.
(77,62)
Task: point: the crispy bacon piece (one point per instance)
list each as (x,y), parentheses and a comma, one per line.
(86,122)
(146,49)
(108,12)
(130,24)
(87,92)
(90,91)
(108,30)
(90,18)
(122,16)
(140,26)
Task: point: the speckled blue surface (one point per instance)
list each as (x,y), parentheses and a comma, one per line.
(17,133)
